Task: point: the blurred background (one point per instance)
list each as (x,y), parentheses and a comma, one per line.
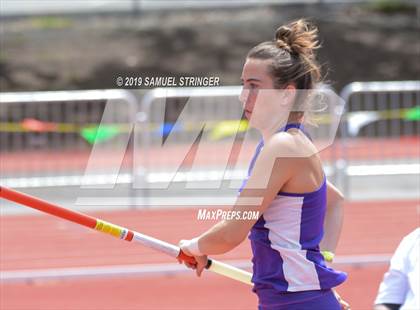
(363,40)
(70,134)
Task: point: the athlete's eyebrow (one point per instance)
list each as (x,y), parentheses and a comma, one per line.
(252,79)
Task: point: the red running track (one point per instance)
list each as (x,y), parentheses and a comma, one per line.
(164,292)
(39,242)
(69,160)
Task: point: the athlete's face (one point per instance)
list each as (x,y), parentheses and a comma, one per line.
(263,105)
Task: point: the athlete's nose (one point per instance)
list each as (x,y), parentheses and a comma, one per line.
(244,96)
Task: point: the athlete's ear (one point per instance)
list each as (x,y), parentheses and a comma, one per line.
(288,95)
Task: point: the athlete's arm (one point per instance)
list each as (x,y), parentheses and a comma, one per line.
(262,185)
(333,222)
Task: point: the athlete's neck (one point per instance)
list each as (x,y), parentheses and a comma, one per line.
(270,131)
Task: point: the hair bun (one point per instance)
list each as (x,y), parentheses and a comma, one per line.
(298,37)
(282,38)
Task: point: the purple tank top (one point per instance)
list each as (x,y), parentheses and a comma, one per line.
(285,242)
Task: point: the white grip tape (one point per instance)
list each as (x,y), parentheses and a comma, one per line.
(231,272)
(156,244)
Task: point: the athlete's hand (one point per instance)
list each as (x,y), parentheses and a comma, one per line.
(344,305)
(201,260)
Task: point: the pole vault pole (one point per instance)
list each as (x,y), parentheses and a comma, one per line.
(121,232)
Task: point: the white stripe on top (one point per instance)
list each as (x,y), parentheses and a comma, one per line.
(283,220)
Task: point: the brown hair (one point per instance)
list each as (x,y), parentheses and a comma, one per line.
(292,55)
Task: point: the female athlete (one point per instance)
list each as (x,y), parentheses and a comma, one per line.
(297,202)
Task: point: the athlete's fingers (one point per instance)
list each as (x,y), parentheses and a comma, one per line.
(189,265)
(184,249)
(201,264)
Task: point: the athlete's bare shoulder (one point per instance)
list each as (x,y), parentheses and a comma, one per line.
(285,144)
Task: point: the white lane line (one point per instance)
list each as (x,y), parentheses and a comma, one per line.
(157,269)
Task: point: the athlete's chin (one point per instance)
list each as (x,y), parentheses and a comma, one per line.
(254,123)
